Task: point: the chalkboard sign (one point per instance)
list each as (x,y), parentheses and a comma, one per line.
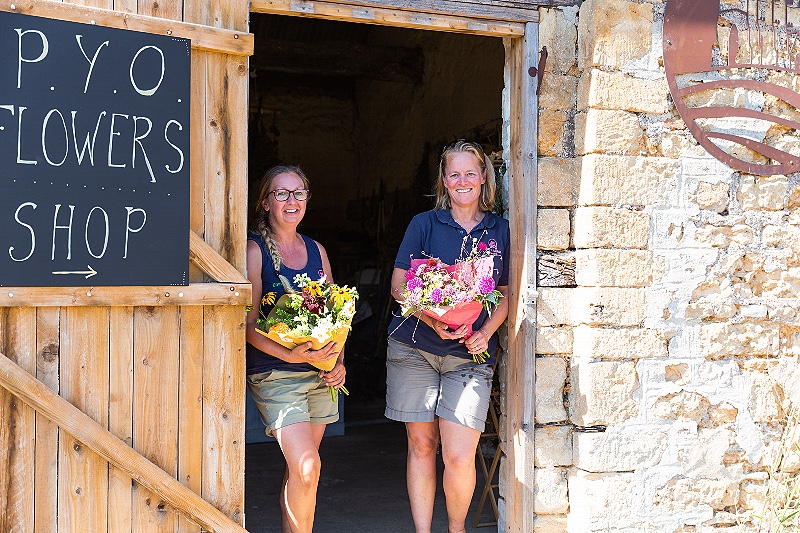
(94,155)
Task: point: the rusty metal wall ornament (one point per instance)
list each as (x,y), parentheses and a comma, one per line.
(690,33)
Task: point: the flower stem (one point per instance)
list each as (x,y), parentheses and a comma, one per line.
(481,358)
(335,391)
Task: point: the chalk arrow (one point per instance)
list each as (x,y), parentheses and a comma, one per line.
(89,273)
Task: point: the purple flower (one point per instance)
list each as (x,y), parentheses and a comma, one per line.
(414,284)
(486,285)
(436,296)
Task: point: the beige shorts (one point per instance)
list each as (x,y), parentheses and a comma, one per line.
(284,398)
(421,386)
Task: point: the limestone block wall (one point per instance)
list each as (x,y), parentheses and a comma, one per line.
(668,366)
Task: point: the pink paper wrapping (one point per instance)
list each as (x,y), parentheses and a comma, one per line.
(457,315)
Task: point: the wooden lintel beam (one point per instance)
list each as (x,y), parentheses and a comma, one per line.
(192,294)
(488,9)
(204,38)
(389,16)
(340,59)
(86,430)
(559,3)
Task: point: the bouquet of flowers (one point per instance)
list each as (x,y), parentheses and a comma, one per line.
(453,294)
(320,313)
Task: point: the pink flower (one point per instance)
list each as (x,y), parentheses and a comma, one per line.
(414,284)
(436,296)
(486,285)
(410,275)
(482,246)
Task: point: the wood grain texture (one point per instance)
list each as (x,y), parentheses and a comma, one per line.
(190,406)
(17,427)
(85,430)
(126,6)
(519,444)
(156,363)
(197,174)
(47,434)
(211,262)
(83,475)
(120,414)
(238,111)
(390,17)
(162,9)
(226,161)
(203,37)
(223,409)
(101,4)
(230,14)
(192,294)
(491,9)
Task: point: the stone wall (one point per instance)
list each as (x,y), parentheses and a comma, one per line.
(667,367)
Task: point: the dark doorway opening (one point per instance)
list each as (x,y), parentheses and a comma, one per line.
(365,110)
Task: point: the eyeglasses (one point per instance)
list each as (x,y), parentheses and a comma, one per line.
(301,195)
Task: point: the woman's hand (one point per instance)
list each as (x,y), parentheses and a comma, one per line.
(477,343)
(302,353)
(444,331)
(334,378)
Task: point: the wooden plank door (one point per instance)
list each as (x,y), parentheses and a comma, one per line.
(158,370)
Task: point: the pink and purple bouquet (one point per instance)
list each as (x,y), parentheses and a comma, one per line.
(453,294)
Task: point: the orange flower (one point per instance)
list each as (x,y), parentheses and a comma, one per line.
(279,327)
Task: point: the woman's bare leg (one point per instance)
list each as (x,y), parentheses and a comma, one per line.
(300,445)
(423,441)
(458,453)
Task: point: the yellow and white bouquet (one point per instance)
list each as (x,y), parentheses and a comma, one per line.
(320,313)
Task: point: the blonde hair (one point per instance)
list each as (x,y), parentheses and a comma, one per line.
(261,223)
(486,199)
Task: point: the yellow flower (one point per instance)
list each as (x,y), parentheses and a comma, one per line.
(268,299)
(313,288)
(340,296)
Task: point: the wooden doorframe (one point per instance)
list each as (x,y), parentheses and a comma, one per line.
(520,35)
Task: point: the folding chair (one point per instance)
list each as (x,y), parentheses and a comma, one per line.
(490,436)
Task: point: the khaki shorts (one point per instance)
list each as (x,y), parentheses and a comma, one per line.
(421,386)
(284,398)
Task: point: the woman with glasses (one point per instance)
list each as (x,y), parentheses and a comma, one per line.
(292,396)
(432,383)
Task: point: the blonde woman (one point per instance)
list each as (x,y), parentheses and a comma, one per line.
(292,396)
(432,383)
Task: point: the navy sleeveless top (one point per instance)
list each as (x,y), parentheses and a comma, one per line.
(258,361)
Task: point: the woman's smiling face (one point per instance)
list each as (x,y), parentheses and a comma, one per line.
(463,178)
(290,211)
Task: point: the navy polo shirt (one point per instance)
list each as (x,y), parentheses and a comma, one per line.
(436,234)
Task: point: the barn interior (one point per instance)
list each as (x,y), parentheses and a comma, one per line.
(365,111)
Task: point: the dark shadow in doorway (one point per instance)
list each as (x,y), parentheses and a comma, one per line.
(362,488)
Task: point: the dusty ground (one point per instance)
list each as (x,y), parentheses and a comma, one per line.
(362,488)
